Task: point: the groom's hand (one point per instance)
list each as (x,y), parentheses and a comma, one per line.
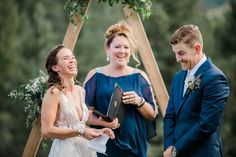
(168,151)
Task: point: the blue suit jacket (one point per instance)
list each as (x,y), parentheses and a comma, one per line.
(192,122)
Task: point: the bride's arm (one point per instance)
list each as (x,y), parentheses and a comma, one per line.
(50,108)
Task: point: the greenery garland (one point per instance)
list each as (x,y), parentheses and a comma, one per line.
(77,7)
(32,94)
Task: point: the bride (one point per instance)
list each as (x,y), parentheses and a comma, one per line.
(64,113)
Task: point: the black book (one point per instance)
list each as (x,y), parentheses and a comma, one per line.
(116,108)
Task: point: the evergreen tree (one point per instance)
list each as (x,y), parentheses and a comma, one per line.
(9,62)
(26,36)
(225,35)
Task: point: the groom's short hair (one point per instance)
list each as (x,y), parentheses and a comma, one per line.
(187,34)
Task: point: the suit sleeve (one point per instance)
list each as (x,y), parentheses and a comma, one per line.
(215,91)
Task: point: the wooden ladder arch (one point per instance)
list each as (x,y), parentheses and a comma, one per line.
(145,53)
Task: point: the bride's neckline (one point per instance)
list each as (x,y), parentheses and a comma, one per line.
(72,104)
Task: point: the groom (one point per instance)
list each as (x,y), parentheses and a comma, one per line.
(197,100)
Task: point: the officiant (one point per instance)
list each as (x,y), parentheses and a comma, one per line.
(132,136)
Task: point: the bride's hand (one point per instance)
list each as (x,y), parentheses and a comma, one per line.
(108,131)
(90,133)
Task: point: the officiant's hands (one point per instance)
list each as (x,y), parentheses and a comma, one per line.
(131,97)
(114,124)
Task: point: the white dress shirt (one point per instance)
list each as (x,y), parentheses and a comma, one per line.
(190,73)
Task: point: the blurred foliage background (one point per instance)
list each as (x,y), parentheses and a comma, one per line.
(29,29)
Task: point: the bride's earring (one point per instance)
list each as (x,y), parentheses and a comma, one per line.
(108,58)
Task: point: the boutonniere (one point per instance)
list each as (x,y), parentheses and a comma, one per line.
(192,83)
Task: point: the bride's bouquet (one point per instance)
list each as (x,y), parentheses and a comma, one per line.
(32,94)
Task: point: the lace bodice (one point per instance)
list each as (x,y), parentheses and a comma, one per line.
(68,118)
(68,115)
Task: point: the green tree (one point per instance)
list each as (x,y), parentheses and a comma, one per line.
(225,35)
(9,63)
(27,34)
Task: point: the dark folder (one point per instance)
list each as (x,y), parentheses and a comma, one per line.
(116,108)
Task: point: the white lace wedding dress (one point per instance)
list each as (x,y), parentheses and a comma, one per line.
(68,118)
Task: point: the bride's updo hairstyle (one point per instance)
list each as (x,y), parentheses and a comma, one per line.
(121,29)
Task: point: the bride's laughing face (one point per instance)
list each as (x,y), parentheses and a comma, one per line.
(66,63)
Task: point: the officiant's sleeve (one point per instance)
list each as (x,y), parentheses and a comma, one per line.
(148,95)
(90,90)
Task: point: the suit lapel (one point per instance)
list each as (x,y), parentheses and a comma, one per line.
(180,87)
(202,69)
(182,101)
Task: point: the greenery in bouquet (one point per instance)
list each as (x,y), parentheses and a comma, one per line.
(77,7)
(32,94)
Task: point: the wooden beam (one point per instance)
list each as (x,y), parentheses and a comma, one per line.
(148,59)
(73,30)
(34,140)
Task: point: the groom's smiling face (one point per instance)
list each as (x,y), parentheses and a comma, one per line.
(187,56)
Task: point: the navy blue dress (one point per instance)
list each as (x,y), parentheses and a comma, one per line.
(132,138)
